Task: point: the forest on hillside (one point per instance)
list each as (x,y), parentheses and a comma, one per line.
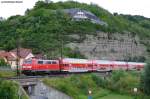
(45,28)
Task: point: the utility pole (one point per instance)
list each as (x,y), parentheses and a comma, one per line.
(60,34)
(18,54)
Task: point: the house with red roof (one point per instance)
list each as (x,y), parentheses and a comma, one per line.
(11,56)
(23,54)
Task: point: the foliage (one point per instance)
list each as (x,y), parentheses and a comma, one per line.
(3,63)
(146,79)
(120,81)
(9,90)
(45,28)
(72,53)
(77,86)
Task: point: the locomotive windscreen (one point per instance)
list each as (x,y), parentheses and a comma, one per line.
(28,61)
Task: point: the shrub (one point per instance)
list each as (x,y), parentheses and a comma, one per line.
(3,63)
(99,81)
(146,79)
(117,75)
(8,90)
(120,81)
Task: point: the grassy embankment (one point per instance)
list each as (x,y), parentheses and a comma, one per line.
(4,74)
(118,86)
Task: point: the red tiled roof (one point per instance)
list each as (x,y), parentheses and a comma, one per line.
(6,55)
(22,52)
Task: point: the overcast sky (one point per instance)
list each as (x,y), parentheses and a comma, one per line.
(134,7)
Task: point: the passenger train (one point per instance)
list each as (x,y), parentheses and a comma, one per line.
(77,65)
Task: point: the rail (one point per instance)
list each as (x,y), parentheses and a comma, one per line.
(52,76)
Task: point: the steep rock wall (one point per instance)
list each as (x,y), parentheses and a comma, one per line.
(112,46)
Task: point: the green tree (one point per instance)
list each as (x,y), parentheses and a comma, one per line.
(8,90)
(146,79)
(2,62)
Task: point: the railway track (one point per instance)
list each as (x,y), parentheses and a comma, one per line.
(103,74)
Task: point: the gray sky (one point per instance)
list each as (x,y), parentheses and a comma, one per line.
(134,7)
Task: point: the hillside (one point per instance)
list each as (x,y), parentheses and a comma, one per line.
(46,27)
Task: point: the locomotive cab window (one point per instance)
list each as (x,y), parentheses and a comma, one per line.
(48,62)
(27,61)
(40,62)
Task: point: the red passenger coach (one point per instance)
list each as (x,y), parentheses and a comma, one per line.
(76,65)
(136,65)
(103,65)
(35,65)
(120,65)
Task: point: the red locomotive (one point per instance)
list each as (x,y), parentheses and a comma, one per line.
(78,65)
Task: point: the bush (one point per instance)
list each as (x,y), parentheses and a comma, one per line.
(100,81)
(120,81)
(123,82)
(8,90)
(146,79)
(3,63)
(117,75)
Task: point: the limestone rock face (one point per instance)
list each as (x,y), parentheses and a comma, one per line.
(112,46)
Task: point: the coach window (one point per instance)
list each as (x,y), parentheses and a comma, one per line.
(53,62)
(40,62)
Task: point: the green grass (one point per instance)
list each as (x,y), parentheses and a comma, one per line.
(116,96)
(4,74)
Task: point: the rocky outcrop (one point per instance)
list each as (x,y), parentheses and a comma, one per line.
(112,46)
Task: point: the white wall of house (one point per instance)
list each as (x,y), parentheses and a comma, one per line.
(80,15)
(30,55)
(21,60)
(13,64)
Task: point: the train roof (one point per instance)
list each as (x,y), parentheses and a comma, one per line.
(136,63)
(75,60)
(117,62)
(109,62)
(102,61)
